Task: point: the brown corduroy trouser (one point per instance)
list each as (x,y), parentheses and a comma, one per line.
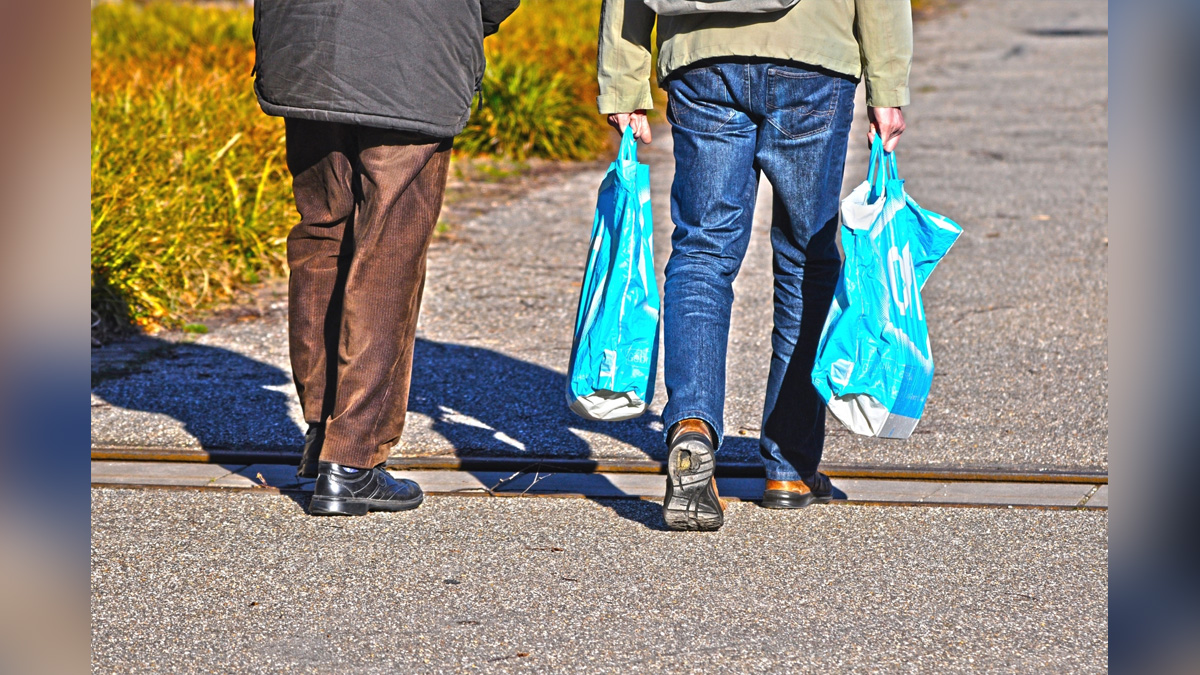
(368,200)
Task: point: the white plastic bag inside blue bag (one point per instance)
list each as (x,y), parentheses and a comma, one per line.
(874,367)
(614,354)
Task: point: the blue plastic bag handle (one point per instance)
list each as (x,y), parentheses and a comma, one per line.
(627,159)
(886,163)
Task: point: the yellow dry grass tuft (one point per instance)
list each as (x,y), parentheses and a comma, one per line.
(191,198)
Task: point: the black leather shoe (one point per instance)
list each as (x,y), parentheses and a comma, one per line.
(314,438)
(795,494)
(692,502)
(340,492)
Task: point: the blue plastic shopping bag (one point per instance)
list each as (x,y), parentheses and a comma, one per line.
(873,365)
(615,351)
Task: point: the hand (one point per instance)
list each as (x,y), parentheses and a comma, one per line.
(886,121)
(637,118)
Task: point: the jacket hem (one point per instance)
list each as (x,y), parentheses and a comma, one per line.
(364,119)
(667,63)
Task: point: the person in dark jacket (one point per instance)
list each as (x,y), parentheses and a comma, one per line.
(372,93)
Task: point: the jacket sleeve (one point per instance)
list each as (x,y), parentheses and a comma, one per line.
(495,11)
(623,56)
(885,41)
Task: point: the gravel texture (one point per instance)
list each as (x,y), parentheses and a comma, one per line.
(1007,135)
(186,581)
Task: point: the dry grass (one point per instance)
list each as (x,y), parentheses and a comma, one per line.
(191,199)
(190,195)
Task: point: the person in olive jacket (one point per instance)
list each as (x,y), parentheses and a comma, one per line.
(372,93)
(753,87)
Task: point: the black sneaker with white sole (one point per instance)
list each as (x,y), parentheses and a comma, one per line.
(692,502)
(343,491)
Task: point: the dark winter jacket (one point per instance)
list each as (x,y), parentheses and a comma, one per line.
(411,65)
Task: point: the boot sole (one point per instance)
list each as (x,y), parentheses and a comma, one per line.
(691,503)
(331,506)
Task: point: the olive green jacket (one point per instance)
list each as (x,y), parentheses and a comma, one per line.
(871,39)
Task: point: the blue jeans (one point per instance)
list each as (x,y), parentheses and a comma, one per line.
(730,120)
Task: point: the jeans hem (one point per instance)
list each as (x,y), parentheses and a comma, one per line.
(785,477)
(789,476)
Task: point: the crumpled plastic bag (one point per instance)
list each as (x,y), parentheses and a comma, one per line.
(874,367)
(614,354)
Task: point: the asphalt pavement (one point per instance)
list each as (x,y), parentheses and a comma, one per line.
(1007,135)
(191,581)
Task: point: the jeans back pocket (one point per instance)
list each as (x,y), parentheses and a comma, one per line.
(801,102)
(699,100)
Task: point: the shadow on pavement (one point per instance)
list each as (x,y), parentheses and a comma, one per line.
(225,400)
(486,403)
(481,402)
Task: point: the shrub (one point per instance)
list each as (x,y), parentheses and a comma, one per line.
(525,111)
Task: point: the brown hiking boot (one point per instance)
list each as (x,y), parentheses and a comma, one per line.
(692,502)
(796,494)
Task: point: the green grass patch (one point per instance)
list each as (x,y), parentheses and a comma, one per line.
(538,96)
(525,111)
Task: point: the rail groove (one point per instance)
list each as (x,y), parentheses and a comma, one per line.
(998,474)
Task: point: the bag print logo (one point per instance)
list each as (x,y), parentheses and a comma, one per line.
(900,277)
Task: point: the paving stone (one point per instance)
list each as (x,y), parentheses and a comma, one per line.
(1041,494)
(281,476)
(184,474)
(863,490)
(597,485)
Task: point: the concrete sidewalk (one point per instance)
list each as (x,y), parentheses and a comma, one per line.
(1007,134)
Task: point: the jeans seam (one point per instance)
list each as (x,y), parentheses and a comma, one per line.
(748,90)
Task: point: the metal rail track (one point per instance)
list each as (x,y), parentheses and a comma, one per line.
(995,474)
